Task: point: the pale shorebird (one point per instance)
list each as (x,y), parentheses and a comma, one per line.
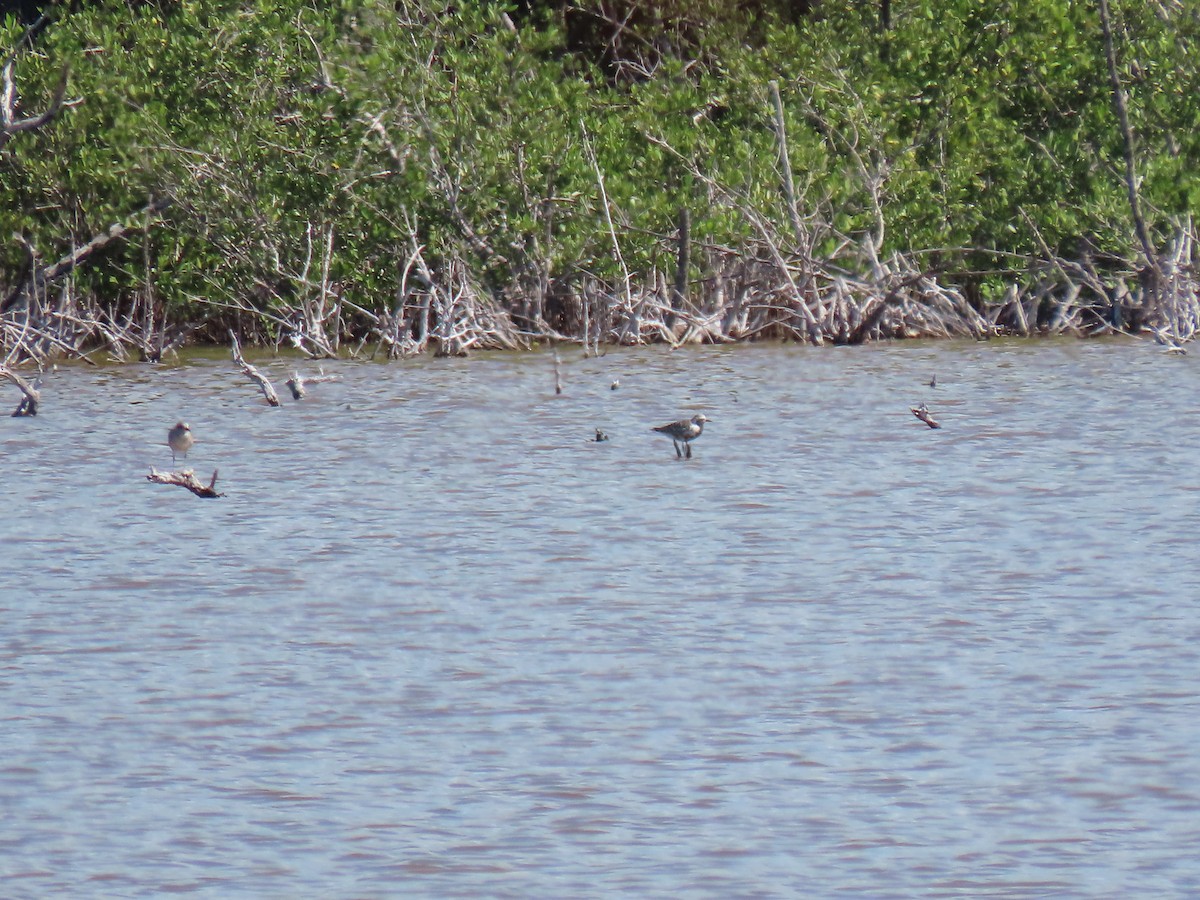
(180,439)
(684,432)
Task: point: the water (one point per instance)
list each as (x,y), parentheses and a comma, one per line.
(436,642)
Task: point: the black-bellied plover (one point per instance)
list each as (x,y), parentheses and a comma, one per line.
(684,432)
(180,439)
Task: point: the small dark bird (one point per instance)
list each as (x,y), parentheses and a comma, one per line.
(600,436)
(616,384)
(933,381)
(683,432)
(180,439)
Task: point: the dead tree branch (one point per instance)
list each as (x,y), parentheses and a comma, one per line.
(590,152)
(9,123)
(252,373)
(29,402)
(922,413)
(785,163)
(38,279)
(186,479)
(1119,105)
(296,384)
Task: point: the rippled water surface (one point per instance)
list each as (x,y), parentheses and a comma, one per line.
(436,642)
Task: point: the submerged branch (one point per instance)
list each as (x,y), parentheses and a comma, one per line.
(296,384)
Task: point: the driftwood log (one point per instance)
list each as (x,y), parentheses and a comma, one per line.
(922,413)
(31,399)
(252,373)
(297,382)
(186,479)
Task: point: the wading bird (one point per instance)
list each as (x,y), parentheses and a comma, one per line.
(684,432)
(180,439)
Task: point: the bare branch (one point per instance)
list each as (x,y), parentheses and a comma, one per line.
(186,479)
(785,164)
(38,279)
(297,382)
(29,402)
(1131,186)
(922,413)
(590,152)
(252,373)
(9,124)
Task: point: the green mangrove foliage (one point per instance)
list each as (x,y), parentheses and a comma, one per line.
(413,174)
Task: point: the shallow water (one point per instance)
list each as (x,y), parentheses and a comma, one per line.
(436,642)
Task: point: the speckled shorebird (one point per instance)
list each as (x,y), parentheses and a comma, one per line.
(180,439)
(684,432)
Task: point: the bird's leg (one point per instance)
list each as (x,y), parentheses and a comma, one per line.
(678,453)
(689,449)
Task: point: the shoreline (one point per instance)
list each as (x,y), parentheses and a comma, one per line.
(797,300)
